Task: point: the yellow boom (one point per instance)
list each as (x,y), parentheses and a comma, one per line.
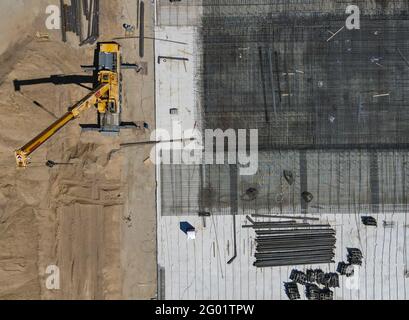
(90,100)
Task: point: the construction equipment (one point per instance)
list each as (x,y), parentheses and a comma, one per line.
(106,97)
(369,221)
(42,36)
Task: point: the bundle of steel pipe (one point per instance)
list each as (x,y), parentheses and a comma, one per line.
(283,224)
(93,23)
(286,243)
(73,19)
(295,231)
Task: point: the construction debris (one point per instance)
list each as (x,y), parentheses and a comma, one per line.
(42,36)
(326,294)
(381,95)
(291,290)
(250,194)
(289,177)
(312,275)
(388,224)
(345,269)
(369,221)
(298,277)
(354,256)
(307,196)
(52,164)
(256,215)
(313,292)
(329,280)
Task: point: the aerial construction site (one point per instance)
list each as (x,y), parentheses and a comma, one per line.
(204,150)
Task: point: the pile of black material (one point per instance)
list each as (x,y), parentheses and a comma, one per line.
(312,275)
(329,280)
(291,290)
(369,221)
(307,196)
(354,256)
(73,17)
(298,277)
(345,269)
(287,243)
(317,283)
(326,294)
(318,275)
(313,292)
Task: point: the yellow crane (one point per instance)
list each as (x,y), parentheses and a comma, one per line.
(106,97)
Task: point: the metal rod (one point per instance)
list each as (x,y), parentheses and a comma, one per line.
(299,231)
(142,29)
(234,208)
(274,255)
(63,21)
(294,242)
(312,257)
(171,58)
(250,220)
(295,236)
(295,261)
(269,226)
(289,263)
(272,81)
(137,13)
(297,242)
(284,217)
(289,248)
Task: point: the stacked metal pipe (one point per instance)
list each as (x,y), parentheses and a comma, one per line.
(73,17)
(288,243)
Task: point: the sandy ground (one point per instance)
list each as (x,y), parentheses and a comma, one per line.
(138,250)
(73,216)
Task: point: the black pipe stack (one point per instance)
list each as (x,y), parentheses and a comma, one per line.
(288,243)
(73,17)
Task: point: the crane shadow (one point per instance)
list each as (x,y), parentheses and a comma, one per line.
(79,80)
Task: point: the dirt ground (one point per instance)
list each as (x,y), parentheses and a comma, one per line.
(93,218)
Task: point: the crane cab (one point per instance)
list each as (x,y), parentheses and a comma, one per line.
(109,71)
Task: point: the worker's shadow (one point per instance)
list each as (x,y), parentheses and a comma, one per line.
(57,80)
